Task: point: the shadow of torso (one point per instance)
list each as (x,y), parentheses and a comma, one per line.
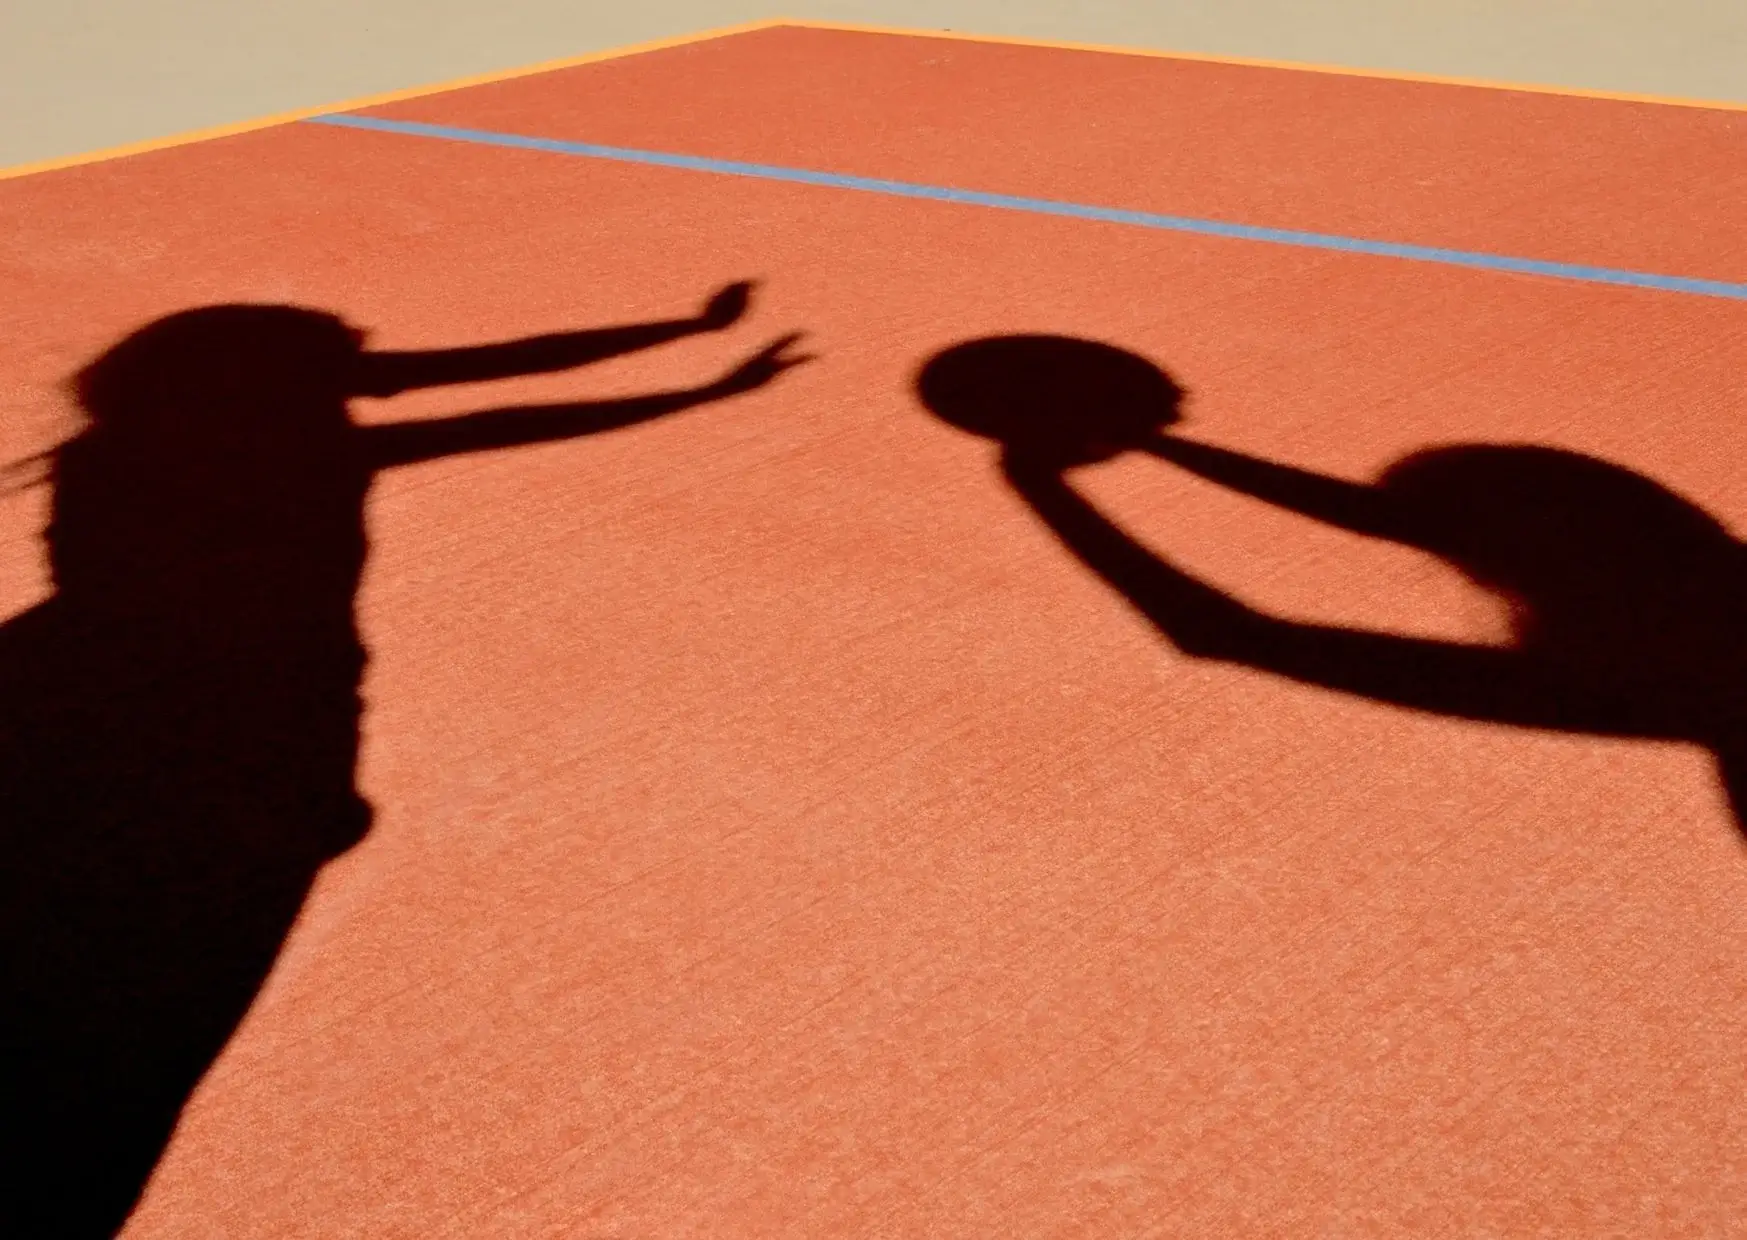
(179,723)
(178,737)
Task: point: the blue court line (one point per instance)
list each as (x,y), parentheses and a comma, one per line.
(1045,206)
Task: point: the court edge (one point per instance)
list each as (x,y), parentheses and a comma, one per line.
(1297,66)
(189,137)
(273,120)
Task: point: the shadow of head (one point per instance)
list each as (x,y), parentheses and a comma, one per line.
(1579,542)
(1069,400)
(217,446)
(223,370)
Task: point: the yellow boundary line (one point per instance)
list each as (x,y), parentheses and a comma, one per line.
(1388,75)
(704,36)
(371,101)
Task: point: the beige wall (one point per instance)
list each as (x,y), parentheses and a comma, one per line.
(76,75)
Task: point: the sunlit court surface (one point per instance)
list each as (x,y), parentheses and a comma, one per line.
(822,633)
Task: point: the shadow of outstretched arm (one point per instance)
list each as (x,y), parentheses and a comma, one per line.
(1351,506)
(390,373)
(1486,683)
(408,443)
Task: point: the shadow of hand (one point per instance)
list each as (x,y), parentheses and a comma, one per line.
(727,307)
(761,367)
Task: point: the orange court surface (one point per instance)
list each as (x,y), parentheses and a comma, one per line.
(777,812)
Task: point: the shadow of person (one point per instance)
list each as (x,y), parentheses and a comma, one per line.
(179,720)
(1628,602)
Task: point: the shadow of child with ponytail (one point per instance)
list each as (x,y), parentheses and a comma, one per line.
(179,722)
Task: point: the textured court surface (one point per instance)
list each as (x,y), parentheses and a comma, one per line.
(779,834)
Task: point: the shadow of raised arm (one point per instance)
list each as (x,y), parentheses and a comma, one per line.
(1495,684)
(407,443)
(390,373)
(1334,501)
